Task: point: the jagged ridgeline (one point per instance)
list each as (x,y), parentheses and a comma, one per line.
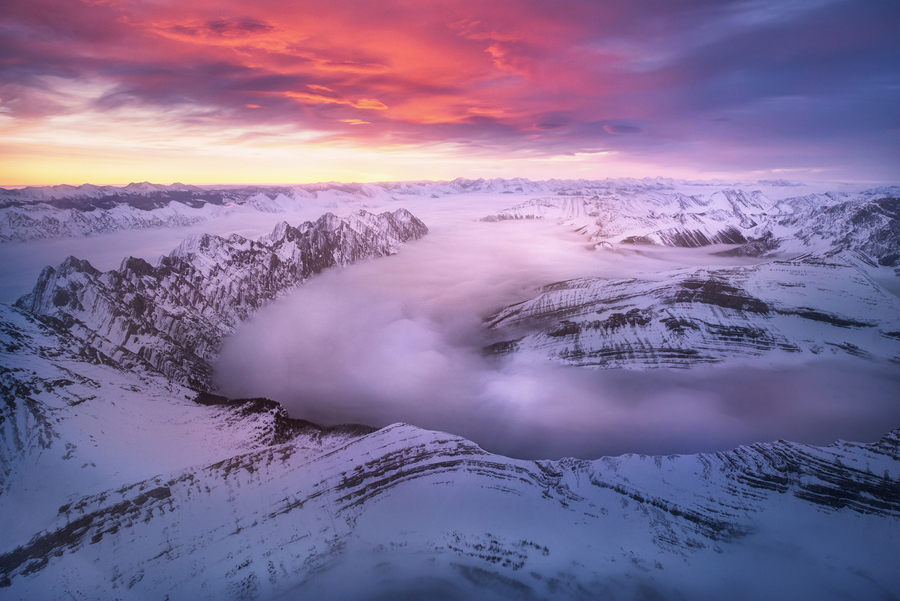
(172,317)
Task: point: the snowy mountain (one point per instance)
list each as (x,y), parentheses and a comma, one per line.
(868,222)
(171,318)
(820,302)
(164,493)
(809,306)
(119,479)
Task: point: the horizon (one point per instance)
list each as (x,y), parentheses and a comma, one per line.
(612,179)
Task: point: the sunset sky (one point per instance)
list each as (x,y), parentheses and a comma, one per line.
(290,91)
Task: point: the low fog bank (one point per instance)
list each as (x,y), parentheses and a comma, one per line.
(400,339)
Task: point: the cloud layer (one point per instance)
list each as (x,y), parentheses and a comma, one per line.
(400,339)
(703,85)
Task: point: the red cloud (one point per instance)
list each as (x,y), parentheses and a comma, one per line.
(546,77)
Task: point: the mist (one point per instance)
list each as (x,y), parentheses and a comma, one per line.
(21,262)
(400,339)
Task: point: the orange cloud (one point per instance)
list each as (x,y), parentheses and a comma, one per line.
(363,103)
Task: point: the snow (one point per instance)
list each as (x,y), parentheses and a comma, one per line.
(116,483)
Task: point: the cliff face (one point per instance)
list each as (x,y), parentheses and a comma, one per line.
(814,305)
(172,317)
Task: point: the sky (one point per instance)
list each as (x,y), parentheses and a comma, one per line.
(278,91)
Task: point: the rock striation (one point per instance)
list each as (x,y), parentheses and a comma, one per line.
(866,222)
(171,317)
(811,305)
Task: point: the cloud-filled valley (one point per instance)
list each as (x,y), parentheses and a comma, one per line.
(574,319)
(402,338)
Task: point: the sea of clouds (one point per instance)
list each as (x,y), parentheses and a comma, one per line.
(400,339)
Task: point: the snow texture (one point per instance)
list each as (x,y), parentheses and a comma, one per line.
(120,480)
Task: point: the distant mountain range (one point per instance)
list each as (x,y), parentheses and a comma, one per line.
(54,211)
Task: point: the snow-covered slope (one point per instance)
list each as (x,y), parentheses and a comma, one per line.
(130,489)
(74,420)
(812,305)
(868,221)
(822,301)
(172,317)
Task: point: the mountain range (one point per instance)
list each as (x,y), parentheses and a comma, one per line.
(125,476)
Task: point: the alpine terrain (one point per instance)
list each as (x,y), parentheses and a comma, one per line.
(124,475)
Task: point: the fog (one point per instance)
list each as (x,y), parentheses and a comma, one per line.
(400,339)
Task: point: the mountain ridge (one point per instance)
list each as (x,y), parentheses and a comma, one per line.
(172,317)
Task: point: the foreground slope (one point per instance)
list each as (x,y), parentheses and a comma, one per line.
(404,511)
(74,420)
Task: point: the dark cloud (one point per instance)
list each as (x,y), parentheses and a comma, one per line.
(246,25)
(621,128)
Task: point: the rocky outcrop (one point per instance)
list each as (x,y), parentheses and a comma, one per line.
(171,318)
(816,305)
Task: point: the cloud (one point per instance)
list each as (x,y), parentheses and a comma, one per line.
(621,128)
(363,103)
(472,73)
(401,338)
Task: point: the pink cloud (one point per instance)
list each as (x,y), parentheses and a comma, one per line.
(543,77)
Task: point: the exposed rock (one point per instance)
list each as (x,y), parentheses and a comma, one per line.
(172,317)
(815,304)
